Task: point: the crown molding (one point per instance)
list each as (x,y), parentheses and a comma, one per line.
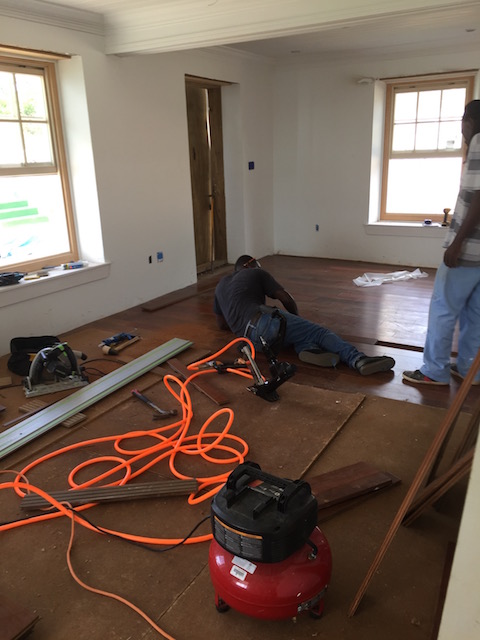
(54,15)
(167,29)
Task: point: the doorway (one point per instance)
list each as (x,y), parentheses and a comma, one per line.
(205,139)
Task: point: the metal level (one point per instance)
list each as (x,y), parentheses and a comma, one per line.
(41,422)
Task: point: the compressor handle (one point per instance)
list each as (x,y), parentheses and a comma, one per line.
(287,493)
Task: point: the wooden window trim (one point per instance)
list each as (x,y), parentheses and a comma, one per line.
(45,62)
(416,82)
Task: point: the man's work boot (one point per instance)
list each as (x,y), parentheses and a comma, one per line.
(366,366)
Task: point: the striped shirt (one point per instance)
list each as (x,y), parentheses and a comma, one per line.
(469,183)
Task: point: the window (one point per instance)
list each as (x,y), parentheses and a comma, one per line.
(36,218)
(424,149)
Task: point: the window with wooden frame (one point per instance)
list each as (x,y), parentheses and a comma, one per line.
(423,146)
(36,218)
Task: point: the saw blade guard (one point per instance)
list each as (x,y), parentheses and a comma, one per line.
(57,362)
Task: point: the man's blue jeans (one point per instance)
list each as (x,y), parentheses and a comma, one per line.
(456,296)
(303,335)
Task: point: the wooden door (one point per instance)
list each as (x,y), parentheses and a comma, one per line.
(204,110)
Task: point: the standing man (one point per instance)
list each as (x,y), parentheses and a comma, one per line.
(240,306)
(456,291)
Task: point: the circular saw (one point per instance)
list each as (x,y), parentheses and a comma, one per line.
(54,369)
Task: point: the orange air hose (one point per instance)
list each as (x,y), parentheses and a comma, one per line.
(170,446)
(170,442)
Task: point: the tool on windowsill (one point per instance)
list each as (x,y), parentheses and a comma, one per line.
(112,345)
(160,413)
(445,217)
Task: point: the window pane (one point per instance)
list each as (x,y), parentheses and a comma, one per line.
(405,107)
(450,135)
(453,103)
(31,96)
(403,137)
(423,186)
(32,219)
(11,147)
(429,105)
(37,143)
(8,103)
(427,136)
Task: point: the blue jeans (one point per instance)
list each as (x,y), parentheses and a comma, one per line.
(456,296)
(303,335)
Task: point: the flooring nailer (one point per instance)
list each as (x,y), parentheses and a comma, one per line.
(54,369)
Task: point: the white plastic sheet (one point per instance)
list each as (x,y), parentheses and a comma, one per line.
(376,279)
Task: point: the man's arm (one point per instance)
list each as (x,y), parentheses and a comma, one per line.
(468,226)
(287,300)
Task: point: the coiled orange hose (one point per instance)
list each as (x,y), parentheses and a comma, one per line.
(169,441)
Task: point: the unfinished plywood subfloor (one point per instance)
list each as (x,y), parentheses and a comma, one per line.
(285,438)
(401,602)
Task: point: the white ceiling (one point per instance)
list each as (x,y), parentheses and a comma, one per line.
(272,28)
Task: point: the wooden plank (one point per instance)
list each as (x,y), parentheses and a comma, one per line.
(15,621)
(348,482)
(170,298)
(5,382)
(326,513)
(34,406)
(199,383)
(134,491)
(421,475)
(439,487)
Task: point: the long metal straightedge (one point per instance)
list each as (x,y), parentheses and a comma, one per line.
(41,422)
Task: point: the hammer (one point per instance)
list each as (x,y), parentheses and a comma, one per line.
(162,413)
(112,350)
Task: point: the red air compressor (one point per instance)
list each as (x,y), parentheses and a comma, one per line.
(268,559)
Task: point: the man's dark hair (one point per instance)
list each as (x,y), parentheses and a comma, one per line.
(243,262)
(472,110)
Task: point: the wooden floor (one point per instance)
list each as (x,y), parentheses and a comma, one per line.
(390,319)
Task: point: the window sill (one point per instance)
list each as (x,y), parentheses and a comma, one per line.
(407,229)
(58,279)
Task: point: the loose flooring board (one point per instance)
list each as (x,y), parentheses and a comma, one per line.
(285,438)
(16,622)
(348,483)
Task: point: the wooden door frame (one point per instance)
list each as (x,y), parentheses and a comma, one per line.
(218,255)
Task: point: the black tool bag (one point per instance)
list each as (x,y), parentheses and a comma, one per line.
(10,277)
(23,351)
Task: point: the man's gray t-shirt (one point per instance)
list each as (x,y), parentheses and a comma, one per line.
(469,184)
(238,297)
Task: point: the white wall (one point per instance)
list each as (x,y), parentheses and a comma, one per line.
(306,124)
(322,160)
(127,140)
(128,152)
